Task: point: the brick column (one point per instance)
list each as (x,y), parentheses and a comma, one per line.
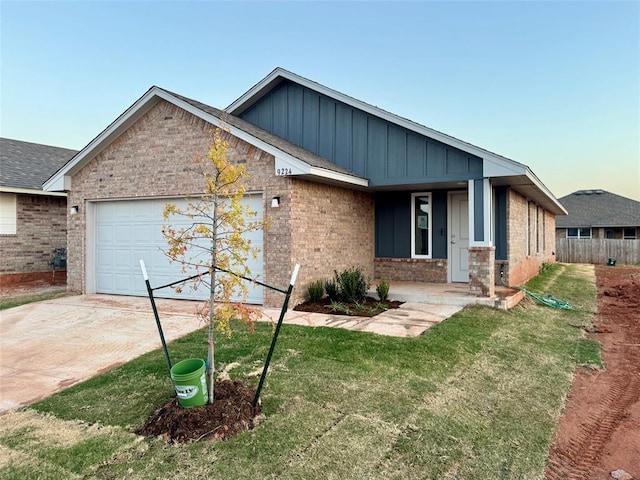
(482,271)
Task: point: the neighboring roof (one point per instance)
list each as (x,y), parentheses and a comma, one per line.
(599,208)
(507,171)
(25,165)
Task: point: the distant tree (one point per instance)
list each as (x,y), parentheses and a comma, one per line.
(217,222)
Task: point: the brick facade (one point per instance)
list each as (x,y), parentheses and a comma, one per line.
(411,269)
(321,227)
(332,229)
(530,240)
(40,228)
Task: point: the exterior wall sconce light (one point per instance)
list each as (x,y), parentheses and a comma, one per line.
(275,202)
(74,210)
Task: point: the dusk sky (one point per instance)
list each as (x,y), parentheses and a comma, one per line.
(553,85)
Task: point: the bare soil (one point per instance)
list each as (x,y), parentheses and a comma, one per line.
(599,431)
(369,308)
(231,412)
(27,289)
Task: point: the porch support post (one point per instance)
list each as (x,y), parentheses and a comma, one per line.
(482,252)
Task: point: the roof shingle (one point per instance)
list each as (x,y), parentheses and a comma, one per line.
(598,208)
(28,165)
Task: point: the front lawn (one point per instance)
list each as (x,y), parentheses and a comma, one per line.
(475,397)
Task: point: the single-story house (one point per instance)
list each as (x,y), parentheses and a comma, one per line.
(599,214)
(33,222)
(343,183)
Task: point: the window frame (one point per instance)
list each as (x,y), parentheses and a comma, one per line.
(579,235)
(429,213)
(8,213)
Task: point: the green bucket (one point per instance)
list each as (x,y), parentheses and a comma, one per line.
(190,383)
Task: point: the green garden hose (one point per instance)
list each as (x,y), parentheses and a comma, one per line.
(547,299)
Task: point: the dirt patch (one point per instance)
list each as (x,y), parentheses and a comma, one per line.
(28,289)
(231,412)
(599,431)
(369,308)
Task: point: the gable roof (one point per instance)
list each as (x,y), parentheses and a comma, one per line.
(26,165)
(599,208)
(299,161)
(296,159)
(502,170)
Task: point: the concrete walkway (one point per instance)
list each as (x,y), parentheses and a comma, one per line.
(50,345)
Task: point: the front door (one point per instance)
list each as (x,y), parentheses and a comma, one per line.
(459,237)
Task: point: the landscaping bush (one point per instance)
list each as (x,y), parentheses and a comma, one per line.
(383,290)
(352,286)
(331,287)
(315,291)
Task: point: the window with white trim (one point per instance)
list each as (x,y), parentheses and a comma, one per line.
(8,214)
(584,232)
(421,225)
(629,233)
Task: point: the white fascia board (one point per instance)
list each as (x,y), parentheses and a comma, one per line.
(263,84)
(298,167)
(492,167)
(31,191)
(541,186)
(61,180)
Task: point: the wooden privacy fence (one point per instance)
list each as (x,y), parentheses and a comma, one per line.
(598,251)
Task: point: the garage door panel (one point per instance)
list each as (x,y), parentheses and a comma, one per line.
(127,231)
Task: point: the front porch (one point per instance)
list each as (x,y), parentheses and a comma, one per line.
(449,294)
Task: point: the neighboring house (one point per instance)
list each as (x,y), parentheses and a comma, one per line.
(599,214)
(32,222)
(343,183)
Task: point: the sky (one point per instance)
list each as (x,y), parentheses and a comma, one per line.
(551,84)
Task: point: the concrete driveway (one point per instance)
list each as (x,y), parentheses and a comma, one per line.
(47,346)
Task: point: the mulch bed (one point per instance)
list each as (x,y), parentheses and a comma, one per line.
(324,306)
(231,412)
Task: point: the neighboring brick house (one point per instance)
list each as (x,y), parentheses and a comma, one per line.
(599,214)
(32,222)
(354,185)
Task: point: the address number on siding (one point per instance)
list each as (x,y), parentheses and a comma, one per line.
(283,171)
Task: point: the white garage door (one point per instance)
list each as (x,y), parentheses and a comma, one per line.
(130,230)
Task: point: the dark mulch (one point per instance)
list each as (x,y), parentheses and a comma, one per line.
(370,303)
(231,412)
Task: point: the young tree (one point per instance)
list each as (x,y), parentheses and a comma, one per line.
(212,239)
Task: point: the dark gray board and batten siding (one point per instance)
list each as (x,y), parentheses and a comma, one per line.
(385,153)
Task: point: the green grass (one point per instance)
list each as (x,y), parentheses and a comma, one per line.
(23,300)
(475,397)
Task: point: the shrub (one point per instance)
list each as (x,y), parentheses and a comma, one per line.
(315,291)
(383,290)
(352,286)
(331,288)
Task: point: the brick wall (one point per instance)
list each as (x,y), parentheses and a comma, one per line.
(332,229)
(411,269)
(530,239)
(482,271)
(40,228)
(155,157)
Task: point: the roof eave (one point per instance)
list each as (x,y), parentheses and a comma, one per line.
(31,191)
(61,180)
